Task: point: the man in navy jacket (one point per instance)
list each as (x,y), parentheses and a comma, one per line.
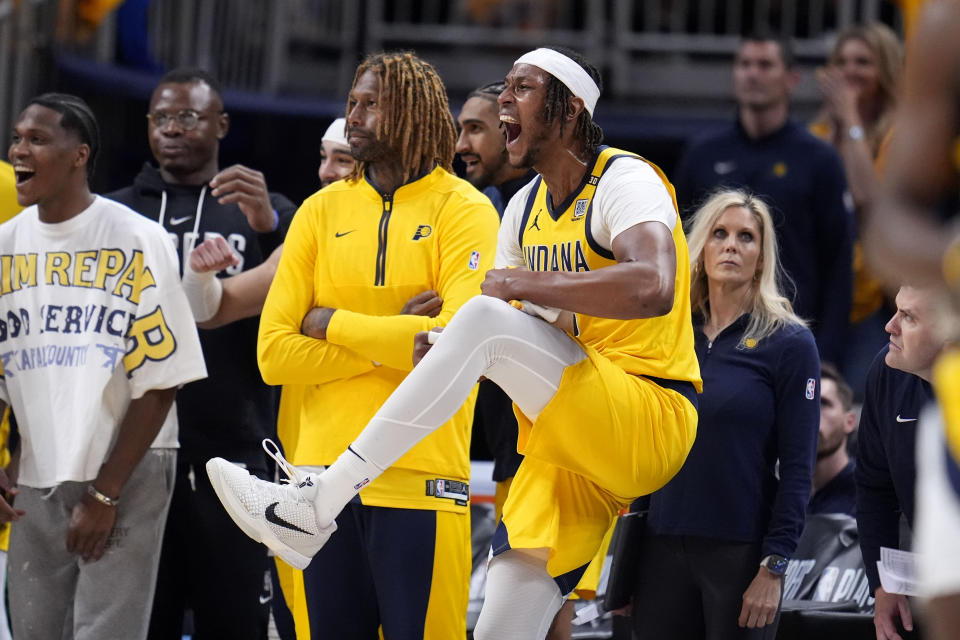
(898,388)
(799,176)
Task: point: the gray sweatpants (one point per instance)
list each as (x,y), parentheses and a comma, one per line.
(55,595)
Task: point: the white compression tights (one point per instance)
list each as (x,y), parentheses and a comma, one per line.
(523,354)
(521,599)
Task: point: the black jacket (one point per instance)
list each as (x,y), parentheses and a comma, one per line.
(232,410)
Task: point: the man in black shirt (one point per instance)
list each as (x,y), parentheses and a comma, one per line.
(207,564)
(833,487)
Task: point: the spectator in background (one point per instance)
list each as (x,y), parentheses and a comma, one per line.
(799,176)
(833,487)
(722,530)
(335,159)
(859,86)
(233,410)
(898,389)
(91,390)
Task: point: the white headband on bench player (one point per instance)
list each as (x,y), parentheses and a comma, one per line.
(571,74)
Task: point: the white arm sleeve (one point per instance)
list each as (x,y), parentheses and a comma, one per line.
(629,192)
(204,292)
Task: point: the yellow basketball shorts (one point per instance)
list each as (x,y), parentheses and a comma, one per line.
(604,439)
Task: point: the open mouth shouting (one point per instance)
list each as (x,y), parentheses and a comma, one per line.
(23,174)
(512,127)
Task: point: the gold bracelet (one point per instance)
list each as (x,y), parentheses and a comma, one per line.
(100,497)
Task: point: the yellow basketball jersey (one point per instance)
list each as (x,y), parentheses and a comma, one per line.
(946,382)
(558,238)
(8,192)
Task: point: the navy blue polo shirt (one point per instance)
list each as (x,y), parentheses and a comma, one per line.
(803,181)
(760,403)
(886,468)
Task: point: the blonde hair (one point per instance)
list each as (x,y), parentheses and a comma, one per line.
(769,309)
(886,48)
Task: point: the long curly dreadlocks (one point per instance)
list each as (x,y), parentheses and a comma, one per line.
(557,100)
(415,117)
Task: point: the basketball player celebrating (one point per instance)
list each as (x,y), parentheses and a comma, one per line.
(606,405)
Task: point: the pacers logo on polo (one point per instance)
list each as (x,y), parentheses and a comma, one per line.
(423,231)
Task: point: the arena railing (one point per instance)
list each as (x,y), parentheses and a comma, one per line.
(672,51)
(652,52)
(27,31)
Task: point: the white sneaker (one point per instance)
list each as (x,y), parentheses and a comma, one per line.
(280,516)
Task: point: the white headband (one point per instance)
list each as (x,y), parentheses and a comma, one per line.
(336,132)
(566,71)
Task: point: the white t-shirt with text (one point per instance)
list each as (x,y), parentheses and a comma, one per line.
(92,315)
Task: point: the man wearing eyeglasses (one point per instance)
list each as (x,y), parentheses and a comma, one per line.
(207,564)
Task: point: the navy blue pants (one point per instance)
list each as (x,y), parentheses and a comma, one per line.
(376,569)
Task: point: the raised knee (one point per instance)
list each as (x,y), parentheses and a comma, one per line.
(481,311)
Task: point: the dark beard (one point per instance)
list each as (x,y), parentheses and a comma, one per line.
(488,176)
(373,151)
(832,450)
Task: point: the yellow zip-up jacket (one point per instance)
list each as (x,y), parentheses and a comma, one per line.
(366,254)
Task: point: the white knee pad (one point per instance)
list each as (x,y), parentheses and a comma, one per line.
(521,600)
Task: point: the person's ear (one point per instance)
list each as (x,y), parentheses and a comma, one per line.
(223,125)
(850,422)
(82,155)
(575,107)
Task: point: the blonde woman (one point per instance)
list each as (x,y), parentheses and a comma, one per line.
(722,529)
(859,86)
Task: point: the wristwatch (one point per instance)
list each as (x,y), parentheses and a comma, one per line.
(855,132)
(777,565)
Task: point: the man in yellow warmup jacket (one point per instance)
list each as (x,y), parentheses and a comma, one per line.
(339,319)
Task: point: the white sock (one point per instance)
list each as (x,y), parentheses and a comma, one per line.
(339,483)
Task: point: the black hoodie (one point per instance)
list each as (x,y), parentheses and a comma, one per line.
(232,410)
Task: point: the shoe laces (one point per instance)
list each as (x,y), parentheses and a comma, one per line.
(294,476)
